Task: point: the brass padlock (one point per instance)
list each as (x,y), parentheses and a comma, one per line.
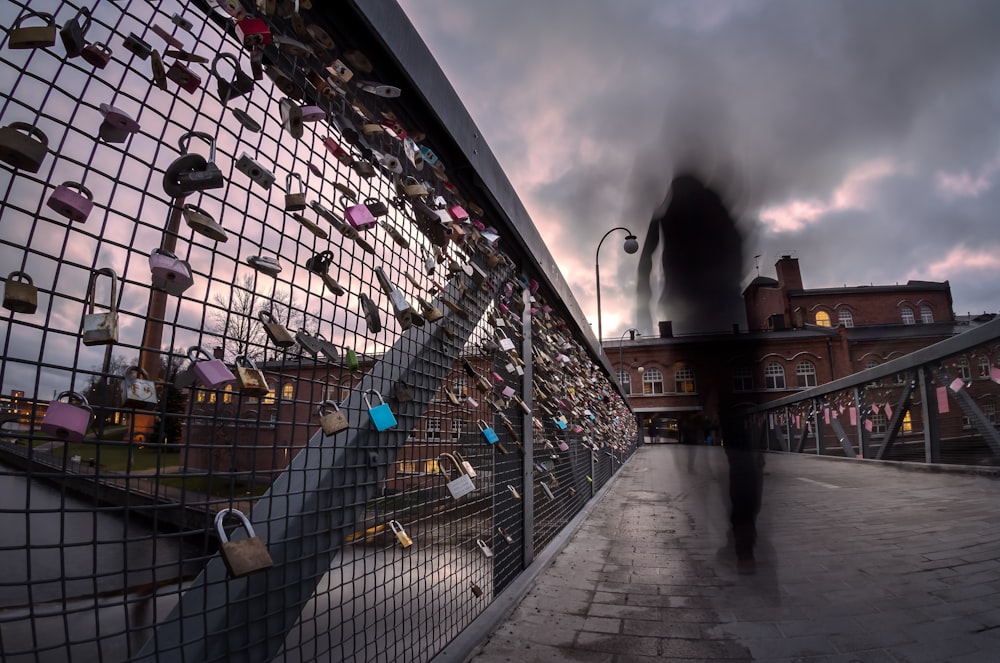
(23,146)
(294,200)
(137,389)
(202,222)
(241,557)
(101,328)
(20,294)
(401,535)
(250,378)
(36,36)
(275,330)
(331,422)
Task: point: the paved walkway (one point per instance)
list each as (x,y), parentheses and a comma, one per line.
(857,561)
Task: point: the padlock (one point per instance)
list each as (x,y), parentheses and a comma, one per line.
(169,38)
(466,465)
(101,328)
(331,422)
(508,391)
(381,415)
(571,491)
(240,84)
(257,64)
(413,153)
(430,312)
(192,172)
(137,389)
(401,535)
(292,47)
(328,348)
(23,146)
(265,265)
(311,226)
(376,207)
(563,445)
(72,200)
(232,7)
(159,71)
(308,342)
(513,492)
(360,217)
(243,557)
(202,222)
(546,490)
(506,537)
(364,169)
(252,33)
(506,344)
(489,435)
(484,548)
(403,392)
(379,90)
(37,36)
(212,373)
(66,421)
(340,71)
(372,316)
(97,54)
(138,46)
(255,171)
(319,263)
(72,33)
(275,330)
(351,362)
(291,117)
(182,23)
(451,395)
(249,378)
(412,188)
(462,484)
(244,119)
(294,201)
(20,294)
(477,591)
(169,273)
(117,126)
(471,402)
(312,114)
(402,309)
(337,150)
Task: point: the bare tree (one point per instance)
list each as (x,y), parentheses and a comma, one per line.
(235,317)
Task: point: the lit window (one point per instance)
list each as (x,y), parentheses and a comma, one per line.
(984,366)
(456,429)
(907,422)
(879,423)
(433,429)
(652,381)
(267,400)
(200,398)
(287,391)
(926,314)
(806,374)
(845,317)
(964,371)
(684,380)
(625,381)
(774,376)
(822,319)
(227,396)
(406,467)
(742,378)
(431,466)
(908,318)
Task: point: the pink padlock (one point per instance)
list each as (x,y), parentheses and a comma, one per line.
(170,273)
(360,217)
(508,392)
(313,114)
(184,77)
(342,155)
(212,372)
(314,169)
(67,421)
(563,446)
(72,200)
(497,377)
(96,54)
(458,213)
(253,33)
(118,118)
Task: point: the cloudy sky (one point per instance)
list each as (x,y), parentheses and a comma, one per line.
(864,137)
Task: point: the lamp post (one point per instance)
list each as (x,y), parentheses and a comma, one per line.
(631,246)
(621,365)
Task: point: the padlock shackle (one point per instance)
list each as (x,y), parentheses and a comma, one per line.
(220,517)
(185,140)
(69,395)
(395,526)
(246,362)
(141,372)
(454,462)
(20,277)
(84,191)
(83,11)
(196,350)
(322,412)
(92,288)
(229,57)
(288,183)
(45,16)
(368,401)
(266,316)
(31,130)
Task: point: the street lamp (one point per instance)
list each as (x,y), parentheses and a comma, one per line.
(631,246)
(621,365)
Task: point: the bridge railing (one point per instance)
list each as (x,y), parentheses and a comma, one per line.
(303,311)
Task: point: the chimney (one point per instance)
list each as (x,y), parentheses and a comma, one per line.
(218,353)
(789,276)
(666,329)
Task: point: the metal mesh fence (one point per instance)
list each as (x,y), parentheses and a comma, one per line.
(238,279)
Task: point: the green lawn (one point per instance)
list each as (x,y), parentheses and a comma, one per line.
(115,456)
(216,486)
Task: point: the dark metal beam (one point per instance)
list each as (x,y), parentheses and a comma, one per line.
(896,423)
(845,442)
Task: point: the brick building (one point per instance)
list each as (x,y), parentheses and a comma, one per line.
(797,338)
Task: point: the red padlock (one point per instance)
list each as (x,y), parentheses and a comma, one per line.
(72,200)
(184,77)
(360,217)
(458,213)
(96,54)
(338,151)
(170,273)
(67,421)
(253,33)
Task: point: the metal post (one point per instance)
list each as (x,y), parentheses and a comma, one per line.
(928,404)
(631,246)
(863,438)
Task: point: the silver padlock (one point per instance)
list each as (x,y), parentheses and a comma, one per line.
(294,200)
(137,389)
(402,309)
(462,484)
(255,171)
(331,422)
(275,330)
(291,117)
(101,328)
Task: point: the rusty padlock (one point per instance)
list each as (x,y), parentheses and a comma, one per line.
(101,328)
(20,294)
(36,36)
(250,379)
(294,200)
(275,330)
(73,34)
(331,422)
(23,146)
(169,273)
(202,222)
(66,421)
(72,200)
(245,556)
(137,389)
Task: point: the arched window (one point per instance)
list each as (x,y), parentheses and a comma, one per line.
(684,380)
(806,373)
(774,376)
(742,378)
(908,318)
(287,391)
(845,317)
(625,380)
(227,395)
(822,319)
(652,381)
(926,314)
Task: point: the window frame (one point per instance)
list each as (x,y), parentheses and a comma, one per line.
(823,321)
(649,383)
(802,375)
(743,376)
(906,313)
(845,318)
(685,381)
(926,314)
(771,377)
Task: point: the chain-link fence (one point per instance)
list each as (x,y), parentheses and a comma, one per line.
(282,378)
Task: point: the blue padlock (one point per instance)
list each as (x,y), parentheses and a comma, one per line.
(381,415)
(489,434)
(560,422)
